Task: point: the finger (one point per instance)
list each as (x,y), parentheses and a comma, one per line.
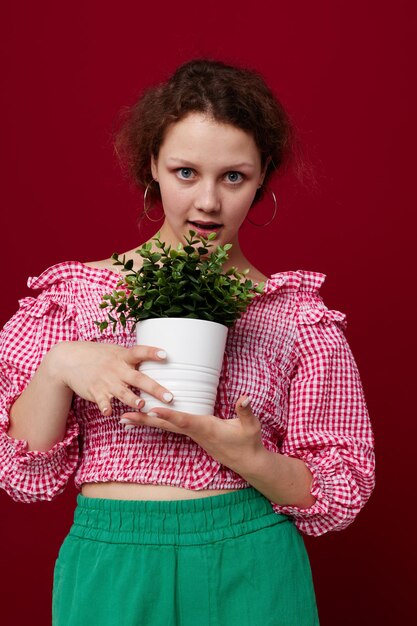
(141,381)
(244,403)
(136,354)
(244,410)
(124,395)
(150,419)
(128,397)
(184,421)
(104,404)
(247,417)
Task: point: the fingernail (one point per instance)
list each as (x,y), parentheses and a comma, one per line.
(167,397)
(245,403)
(138,402)
(124,420)
(130,426)
(152,414)
(162,354)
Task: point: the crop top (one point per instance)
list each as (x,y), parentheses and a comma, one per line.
(288,352)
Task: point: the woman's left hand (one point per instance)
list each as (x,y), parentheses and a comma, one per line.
(231,442)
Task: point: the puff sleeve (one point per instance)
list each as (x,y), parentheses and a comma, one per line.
(328,422)
(31,476)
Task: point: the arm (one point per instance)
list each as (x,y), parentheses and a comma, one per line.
(38,376)
(48,401)
(38,429)
(281,479)
(327,473)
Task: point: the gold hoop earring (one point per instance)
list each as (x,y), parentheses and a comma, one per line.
(145,195)
(275,211)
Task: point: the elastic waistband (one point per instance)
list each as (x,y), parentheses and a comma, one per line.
(182,522)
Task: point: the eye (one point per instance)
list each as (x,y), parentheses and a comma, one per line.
(234,177)
(184,172)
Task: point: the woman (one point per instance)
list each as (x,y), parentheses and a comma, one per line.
(182,518)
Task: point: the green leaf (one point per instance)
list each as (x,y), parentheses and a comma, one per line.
(194,280)
(162,300)
(180,283)
(196,296)
(173,310)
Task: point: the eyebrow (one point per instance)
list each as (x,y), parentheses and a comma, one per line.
(230,167)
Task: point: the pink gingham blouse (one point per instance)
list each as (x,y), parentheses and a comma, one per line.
(288,352)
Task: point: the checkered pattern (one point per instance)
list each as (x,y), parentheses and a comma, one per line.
(288,352)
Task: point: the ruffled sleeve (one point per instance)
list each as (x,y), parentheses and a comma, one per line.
(30,476)
(328,423)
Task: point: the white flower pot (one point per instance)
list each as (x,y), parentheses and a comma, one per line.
(191,371)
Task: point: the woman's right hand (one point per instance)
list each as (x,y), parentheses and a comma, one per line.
(99,372)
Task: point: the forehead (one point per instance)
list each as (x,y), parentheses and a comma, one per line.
(200,136)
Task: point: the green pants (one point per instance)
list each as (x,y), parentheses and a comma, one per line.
(225,560)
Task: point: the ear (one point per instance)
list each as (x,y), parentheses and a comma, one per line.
(154,168)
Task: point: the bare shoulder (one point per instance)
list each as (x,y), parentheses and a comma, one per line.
(108,264)
(100,265)
(256,275)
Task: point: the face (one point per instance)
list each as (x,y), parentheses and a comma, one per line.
(207,172)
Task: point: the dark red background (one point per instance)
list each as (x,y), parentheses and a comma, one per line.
(346,72)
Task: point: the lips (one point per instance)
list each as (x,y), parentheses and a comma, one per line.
(205,226)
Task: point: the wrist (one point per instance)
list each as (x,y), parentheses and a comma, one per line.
(284,480)
(253,464)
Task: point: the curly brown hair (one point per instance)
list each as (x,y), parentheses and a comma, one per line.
(229,94)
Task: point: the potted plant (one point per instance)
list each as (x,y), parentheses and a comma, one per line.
(185,304)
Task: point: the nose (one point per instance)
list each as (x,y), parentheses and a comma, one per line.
(207,197)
